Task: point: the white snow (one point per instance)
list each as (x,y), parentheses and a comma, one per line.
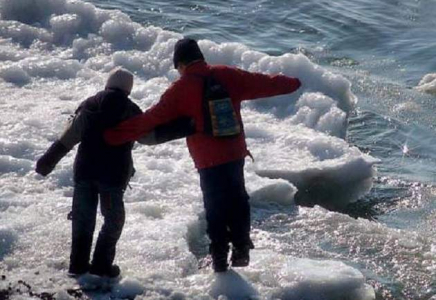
(428,84)
(312,279)
(55,53)
(128,288)
(232,286)
(320,112)
(14,74)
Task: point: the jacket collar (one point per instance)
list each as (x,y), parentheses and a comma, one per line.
(116,90)
(197,68)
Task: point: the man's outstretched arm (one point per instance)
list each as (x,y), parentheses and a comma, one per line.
(137,127)
(258,85)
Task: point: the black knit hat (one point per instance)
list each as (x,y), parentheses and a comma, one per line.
(185,51)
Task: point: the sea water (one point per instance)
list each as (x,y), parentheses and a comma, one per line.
(356,142)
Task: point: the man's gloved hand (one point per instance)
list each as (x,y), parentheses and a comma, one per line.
(51,157)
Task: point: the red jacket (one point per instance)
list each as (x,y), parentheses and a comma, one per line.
(184,99)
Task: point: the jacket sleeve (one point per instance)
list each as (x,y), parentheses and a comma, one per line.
(176,129)
(135,128)
(134,110)
(46,163)
(257,85)
(72,134)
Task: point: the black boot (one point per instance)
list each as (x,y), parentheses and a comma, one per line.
(241,255)
(219,263)
(219,258)
(77,271)
(111,272)
(79,257)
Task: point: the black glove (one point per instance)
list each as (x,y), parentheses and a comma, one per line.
(51,157)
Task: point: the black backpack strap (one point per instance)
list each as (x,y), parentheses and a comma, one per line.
(208,81)
(207,119)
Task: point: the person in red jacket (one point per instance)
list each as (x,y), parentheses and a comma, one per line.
(219,159)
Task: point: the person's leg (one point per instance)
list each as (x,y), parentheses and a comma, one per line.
(84,211)
(239,224)
(217,231)
(239,220)
(112,209)
(216,216)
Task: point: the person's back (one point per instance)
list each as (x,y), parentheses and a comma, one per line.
(95,159)
(101,173)
(186,98)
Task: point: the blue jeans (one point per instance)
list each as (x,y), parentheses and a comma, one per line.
(84,214)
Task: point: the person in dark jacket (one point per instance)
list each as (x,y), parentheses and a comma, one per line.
(219,159)
(100,171)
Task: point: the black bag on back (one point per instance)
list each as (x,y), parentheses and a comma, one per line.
(220,118)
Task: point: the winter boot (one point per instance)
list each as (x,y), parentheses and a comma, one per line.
(75,271)
(241,255)
(219,258)
(219,264)
(111,272)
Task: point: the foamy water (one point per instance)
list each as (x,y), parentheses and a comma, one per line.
(54,54)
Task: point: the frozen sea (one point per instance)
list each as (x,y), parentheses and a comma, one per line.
(355,147)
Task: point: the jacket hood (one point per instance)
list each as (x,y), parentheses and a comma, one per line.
(120,79)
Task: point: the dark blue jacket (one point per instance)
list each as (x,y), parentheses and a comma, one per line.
(96,160)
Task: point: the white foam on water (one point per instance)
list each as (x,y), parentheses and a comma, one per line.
(55,53)
(310,160)
(427,84)
(299,278)
(320,112)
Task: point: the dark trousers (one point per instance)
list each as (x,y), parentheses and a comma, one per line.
(85,202)
(226,205)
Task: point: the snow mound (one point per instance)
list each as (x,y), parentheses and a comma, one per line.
(10,164)
(310,279)
(428,84)
(128,288)
(14,74)
(232,286)
(325,170)
(321,113)
(299,278)
(278,191)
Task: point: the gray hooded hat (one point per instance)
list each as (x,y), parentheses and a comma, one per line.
(120,79)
